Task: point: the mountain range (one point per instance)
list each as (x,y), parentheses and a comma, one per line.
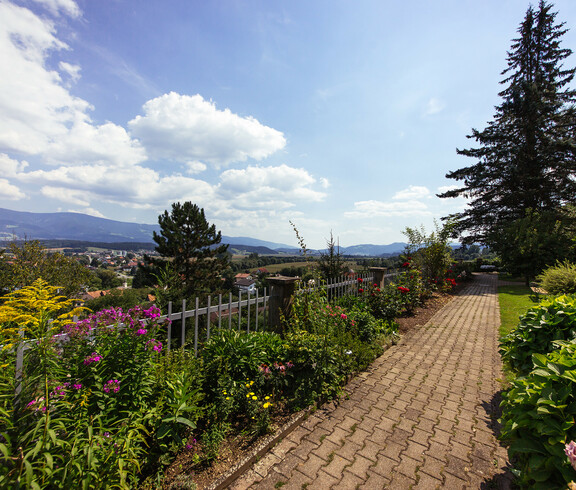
(17,225)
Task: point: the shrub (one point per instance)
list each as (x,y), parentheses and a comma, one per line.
(553,319)
(538,419)
(560,279)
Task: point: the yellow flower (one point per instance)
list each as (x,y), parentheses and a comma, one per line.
(267,398)
(227,398)
(251,383)
(247,396)
(254,397)
(266,405)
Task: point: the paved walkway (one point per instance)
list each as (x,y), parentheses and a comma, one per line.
(422,417)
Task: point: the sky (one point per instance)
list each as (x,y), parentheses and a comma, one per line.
(341,117)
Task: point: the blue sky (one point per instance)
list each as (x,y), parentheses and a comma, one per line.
(339,116)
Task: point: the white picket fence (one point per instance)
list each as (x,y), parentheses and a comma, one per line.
(231,314)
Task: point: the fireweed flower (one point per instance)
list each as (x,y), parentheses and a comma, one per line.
(111,385)
(154,344)
(570,450)
(94,357)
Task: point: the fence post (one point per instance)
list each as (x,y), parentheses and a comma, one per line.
(281,292)
(379,274)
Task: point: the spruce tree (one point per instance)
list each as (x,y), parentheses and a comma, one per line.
(526,155)
(192,247)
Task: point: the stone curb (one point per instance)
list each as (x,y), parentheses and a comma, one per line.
(260,450)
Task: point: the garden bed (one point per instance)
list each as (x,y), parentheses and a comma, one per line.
(183,473)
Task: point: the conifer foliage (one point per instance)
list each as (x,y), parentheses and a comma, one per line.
(193,249)
(526,158)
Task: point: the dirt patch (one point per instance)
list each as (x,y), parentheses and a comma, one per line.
(423,313)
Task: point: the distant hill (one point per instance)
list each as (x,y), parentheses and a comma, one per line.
(374,250)
(86,228)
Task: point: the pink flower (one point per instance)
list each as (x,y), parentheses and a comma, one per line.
(94,357)
(141,331)
(112,385)
(570,451)
(343,316)
(154,344)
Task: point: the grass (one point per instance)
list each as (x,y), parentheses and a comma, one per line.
(514,302)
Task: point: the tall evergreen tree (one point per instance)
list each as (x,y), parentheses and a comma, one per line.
(192,247)
(527,153)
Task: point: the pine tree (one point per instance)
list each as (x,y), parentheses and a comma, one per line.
(191,245)
(526,154)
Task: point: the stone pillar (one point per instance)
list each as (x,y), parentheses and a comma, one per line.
(379,275)
(281,292)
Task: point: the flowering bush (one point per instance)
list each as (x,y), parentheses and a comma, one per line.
(91,410)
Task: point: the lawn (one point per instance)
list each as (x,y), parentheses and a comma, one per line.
(514,301)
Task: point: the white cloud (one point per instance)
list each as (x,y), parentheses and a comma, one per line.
(10,167)
(280,186)
(412,192)
(87,143)
(373,209)
(90,211)
(64,194)
(446,188)
(9,191)
(325,183)
(73,71)
(434,106)
(183,128)
(39,116)
(68,7)
(195,167)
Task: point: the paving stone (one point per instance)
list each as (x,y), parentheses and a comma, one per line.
(421,416)
(427,482)
(360,466)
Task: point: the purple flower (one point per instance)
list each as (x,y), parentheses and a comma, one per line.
(77,387)
(111,385)
(570,450)
(141,331)
(154,344)
(94,357)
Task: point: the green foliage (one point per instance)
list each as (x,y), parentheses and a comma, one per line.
(552,320)
(119,298)
(97,410)
(191,245)
(331,264)
(430,254)
(538,419)
(526,153)
(29,261)
(559,279)
(539,239)
(514,302)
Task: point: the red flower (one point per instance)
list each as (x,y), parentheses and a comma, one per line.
(406,264)
(360,290)
(360,279)
(403,290)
